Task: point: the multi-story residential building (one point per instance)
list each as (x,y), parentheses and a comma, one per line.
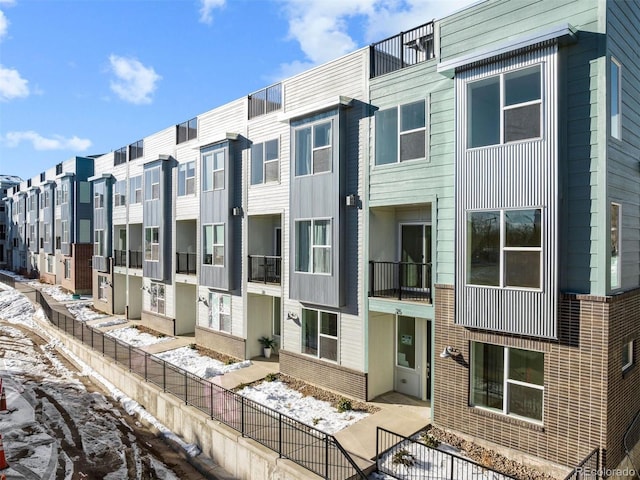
(6,182)
(450,213)
(51,225)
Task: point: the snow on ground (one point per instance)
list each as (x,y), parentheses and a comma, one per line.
(193,362)
(309,410)
(135,337)
(15,276)
(15,307)
(83,312)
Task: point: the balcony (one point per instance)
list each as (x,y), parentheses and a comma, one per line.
(402,50)
(186,263)
(135,259)
(120,258)
(265,269)
(401,281)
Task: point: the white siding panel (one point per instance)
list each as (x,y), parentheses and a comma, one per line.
(352,342)
(160,143)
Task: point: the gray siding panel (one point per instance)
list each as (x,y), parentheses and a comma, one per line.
(157,213)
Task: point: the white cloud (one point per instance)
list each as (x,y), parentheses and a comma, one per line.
(55,142)
(4,25)
(207,8)
(12,85)
(134,82)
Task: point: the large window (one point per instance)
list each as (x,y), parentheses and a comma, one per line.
(120,193)
(136,150)
(401,133)
(120,156)
(65,231)
(187,130)
(102,288)
(46,199)
(616,264)
(220,311)
(135,189)
(157,291)
(98,243)
(213,245)
(264,162)
(152,183)
(186,179)
(313,246)
(504,248)
(213,170)
(67,268)
(505,108)
(320,334)
(98,200)
(615,99)
(508,380)
(151,244)
(313,148)
(64,196)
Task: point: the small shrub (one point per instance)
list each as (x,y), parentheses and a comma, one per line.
(271,377)
(429,441)
(316,420)
(344,404)
(192,346)
(161,335)
(230,361)
(403,457)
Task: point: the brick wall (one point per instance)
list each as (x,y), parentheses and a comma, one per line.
(221,342)
(81,271)
(575,381)
(323,374)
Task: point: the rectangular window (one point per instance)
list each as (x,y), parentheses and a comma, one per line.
(186,179)
(120,156)
(213,170)
(47,232)
(152,183)
(213,245)
(264,162)
(313,148)
(505,108)
(135,189)
(120,193)
(627,355)
(508,380)
(98,200)
(616,99)
(50,263)
(313,246)
(151,244)
(47,199)
(157,291)
(401,133)
(504,248)
(320,334)
(65,193)
(135,150)
(98,243)
(187,131)
(220,312)
(102,288)
(616,231)
(67,268)
(65,231)
(277,316)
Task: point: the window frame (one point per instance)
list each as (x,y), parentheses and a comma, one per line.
(119,156)
(153,191)
(64,227)
(158,291)
(209,170)
(183,183)
(504,249)
(98,200)
(399,133)
(67,268)
(151,244)
(216,317)
(502,107)
(64,196)
(102,288)
(617,248)
(98,243)
(615,127)
(213,245)
(628,349)
(136,150)
(135,184)
(190,129)
(305,349)
(264,162)
(120,193)
(312,246)
(312,127)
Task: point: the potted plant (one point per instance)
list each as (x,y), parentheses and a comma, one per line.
(267,344)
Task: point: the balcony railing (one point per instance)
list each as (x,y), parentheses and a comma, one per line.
(120,258)
(402,50)
(135,259)
(265,269)
(401,280)
(186,263)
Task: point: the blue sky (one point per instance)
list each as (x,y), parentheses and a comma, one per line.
(84,77)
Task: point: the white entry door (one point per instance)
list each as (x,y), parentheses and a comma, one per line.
(408,367)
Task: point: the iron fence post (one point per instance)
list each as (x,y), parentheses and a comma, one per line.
(211,400)
(164,376)
(451,467)
(326,456)
(130,349)
(186,389)
(280,434)
(242,416)
(146,378)
(400,272)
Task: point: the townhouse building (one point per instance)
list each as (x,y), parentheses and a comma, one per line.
(6,182)
(450,213)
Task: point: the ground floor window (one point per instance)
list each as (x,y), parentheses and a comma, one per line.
(509,380)
(220,311)
(67,268)
(157,298)
(50,263)
(277,317)
(320,334)
(102,288)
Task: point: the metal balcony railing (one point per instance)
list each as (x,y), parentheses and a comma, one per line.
(401,280)
(135,259)
(402,50)
(120,258)
(265,269)
(186,263)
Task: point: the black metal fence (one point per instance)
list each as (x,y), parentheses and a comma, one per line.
(589,468)
(310,448)
(135,259)
(401,280)
(402,50)
(632,443)
(265,269)
(120,258)
(186,263)
(406,458)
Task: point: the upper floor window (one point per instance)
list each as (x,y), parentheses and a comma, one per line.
(46,199)
(152,183)
(33,202)
(616,99)
(47,232)
(65,231)
(264,162)
(120,193)
(187,130)
(313,148)
(213,245)
(508,380)
(135,150)
(320,334)
(152,244)
(401,133)
(98,200)
(98,243)
(616,230)
(120,156)
(504,248)
(505,108)
(313,246)
(135,189)
(186,178)
(64,197)
(213,170)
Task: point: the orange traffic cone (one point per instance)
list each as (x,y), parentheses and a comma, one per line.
(3,401)
(3,460)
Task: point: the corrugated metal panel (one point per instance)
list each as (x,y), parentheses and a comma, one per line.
(518,175)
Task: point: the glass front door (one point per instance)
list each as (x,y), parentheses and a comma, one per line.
(415,254)
(408,356)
